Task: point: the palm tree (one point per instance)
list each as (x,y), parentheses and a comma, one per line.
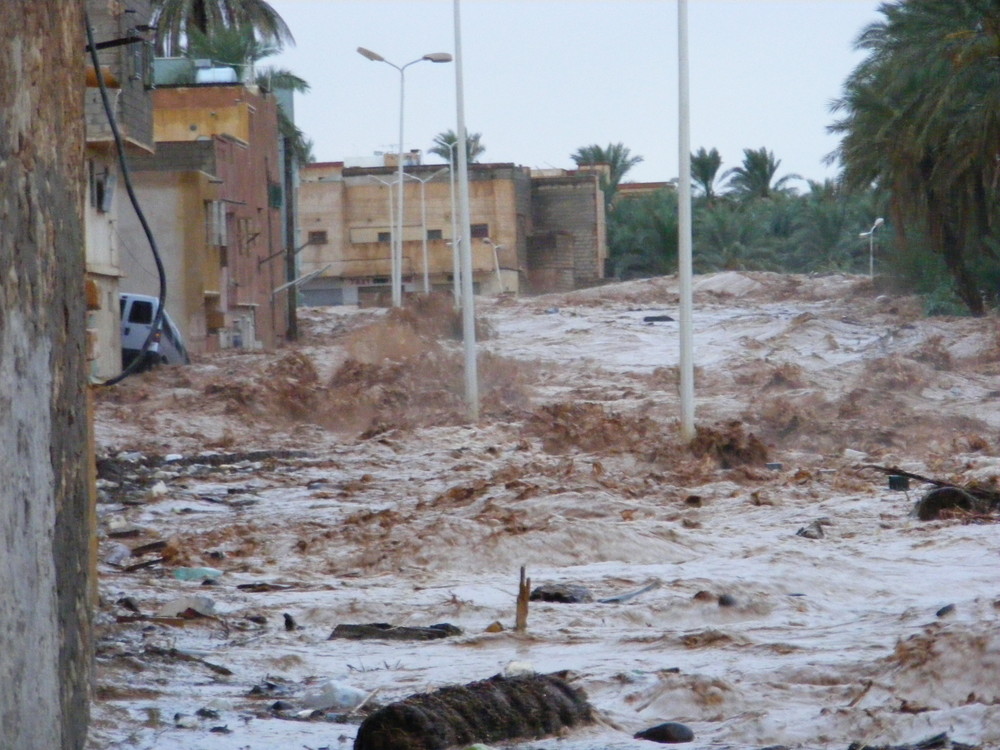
(920,121)
(825,230)
(618,159)
(444,145)
(704,170)
(730,237)
(176,19)
(754,178)
(642,235)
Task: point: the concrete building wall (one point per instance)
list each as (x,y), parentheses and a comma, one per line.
(352,206)
(174,204)
(104,203)
(45,513)
(550,229)
(126,67)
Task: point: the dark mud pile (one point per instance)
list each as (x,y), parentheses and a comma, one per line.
(500,708)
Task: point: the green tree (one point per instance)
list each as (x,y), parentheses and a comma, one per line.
(754,178)
(705,170)
(444,144)
(825,226)
(616,156)
(919,119)
(731,237)
(175,19)
(642,235)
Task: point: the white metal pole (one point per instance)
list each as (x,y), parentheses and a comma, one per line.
(468,309)
(423,226)
(684,230)
(456,270)
(397,266)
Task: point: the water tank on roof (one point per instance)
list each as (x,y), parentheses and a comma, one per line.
(215,75)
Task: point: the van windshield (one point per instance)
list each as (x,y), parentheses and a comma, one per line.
(141,312)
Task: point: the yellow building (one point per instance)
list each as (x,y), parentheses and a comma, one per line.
(530,233)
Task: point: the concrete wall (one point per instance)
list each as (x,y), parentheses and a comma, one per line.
(45,521)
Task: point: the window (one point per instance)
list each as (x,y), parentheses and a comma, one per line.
(480,230)
(317,237)
(384,236)
(141,312)
(215,223)
(434,234)
(275,195)
(102,188)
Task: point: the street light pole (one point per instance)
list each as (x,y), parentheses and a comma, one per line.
(456,270)
(397,236)
(870,234)
(686,364)
(468,310)
(496,262)
(423,221)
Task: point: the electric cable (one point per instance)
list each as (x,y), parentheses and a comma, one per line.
(139,359)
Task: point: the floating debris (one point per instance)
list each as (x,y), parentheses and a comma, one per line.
(385,631)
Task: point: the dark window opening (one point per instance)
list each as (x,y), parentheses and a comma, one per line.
(384,236)
(380,280)
(318,237)
(479,231)
(435,234)
(141,312)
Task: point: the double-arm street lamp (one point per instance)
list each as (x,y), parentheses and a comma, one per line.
(397,236)
(423,221)
(870,234)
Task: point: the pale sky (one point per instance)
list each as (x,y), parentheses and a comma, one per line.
(545,77)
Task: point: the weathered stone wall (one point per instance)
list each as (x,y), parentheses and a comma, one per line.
(572,204)
(551,263)
(44,608)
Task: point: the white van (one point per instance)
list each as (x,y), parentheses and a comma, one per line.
(167,347)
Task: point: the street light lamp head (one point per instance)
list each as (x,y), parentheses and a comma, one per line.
(878,222)
(374,56)
(438,57)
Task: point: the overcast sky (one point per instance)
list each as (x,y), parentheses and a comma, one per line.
(545,77)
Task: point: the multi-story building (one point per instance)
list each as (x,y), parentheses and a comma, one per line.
(213,196)
(531,232)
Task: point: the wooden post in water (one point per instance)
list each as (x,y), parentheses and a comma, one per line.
(523,594)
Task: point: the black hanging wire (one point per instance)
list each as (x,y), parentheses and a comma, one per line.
(155,329)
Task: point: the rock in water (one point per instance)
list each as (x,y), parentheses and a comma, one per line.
(500,708)
(670,732)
